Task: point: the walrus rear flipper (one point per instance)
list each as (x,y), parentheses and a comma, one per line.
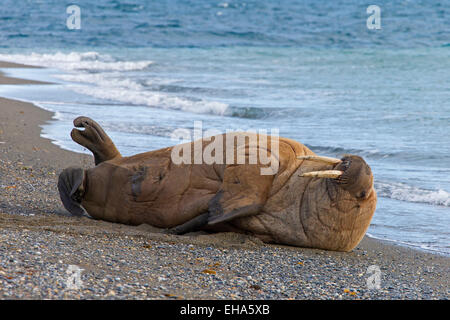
(70,187)
(95,139)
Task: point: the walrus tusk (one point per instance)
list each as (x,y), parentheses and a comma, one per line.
(320,159)
(323,174)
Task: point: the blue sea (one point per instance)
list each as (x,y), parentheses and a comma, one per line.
(311,68)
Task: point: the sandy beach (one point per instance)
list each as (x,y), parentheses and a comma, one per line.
(39,240)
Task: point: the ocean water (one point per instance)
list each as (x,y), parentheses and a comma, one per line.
(311,69)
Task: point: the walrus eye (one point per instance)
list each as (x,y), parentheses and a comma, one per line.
(362,194)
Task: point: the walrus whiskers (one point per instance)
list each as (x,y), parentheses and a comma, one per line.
(320,159)
(333,174)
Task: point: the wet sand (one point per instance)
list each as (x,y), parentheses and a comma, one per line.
(39,240)
(9,80)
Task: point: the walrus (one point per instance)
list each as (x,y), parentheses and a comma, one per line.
(310,201)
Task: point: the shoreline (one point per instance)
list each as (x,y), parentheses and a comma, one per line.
(158,266)
(10,80)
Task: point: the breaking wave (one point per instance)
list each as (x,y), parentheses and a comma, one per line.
(404,192)
(88,61)
(100,76)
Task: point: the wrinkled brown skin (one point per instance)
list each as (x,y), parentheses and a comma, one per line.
(284,208)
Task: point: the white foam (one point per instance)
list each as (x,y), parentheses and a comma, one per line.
(151,98)
(112,86)
(91,61)
(412,244)
(404,192)
(112,80)
(100,76)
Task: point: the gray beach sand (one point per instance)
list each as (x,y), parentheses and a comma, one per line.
(39,241)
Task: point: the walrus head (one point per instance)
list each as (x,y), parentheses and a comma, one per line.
(71,189)
(356,178)
(347,203)
(351,173)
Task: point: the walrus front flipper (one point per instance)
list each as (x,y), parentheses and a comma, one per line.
(95,139)
(236,213)
(192,225)
(243,193)
(70,187)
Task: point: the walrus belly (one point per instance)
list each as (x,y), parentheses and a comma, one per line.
(148,188)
